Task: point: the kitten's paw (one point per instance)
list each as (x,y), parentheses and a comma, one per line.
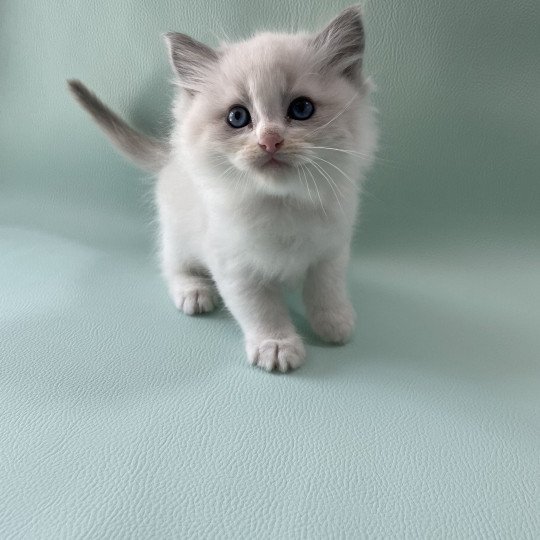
(333,325)
(281,354)
(194,300)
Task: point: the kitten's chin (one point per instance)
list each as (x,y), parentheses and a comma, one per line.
(273,175)
(273,168)
(272,162)
(277,179)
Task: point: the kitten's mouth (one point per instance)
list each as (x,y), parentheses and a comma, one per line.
(273,164)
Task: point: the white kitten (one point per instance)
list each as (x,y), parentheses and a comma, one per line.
(258,185)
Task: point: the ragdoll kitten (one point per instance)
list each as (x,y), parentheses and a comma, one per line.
(258,185)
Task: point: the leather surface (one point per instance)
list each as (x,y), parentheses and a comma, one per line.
(121,418)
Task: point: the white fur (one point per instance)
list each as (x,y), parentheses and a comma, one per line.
(229,226)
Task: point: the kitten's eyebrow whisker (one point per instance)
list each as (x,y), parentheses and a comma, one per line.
(225,35)
(338,114)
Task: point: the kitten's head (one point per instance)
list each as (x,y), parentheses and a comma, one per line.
(271,107)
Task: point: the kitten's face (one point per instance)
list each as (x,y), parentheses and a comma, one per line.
(269,109)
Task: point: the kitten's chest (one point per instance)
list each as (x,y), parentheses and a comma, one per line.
(281,242)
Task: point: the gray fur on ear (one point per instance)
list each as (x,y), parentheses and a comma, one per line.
(341,43)
(190,59)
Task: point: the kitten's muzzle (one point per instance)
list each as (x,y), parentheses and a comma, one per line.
(271,142)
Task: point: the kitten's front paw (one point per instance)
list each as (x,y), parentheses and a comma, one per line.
(193,301)
(281,354)
(334,325)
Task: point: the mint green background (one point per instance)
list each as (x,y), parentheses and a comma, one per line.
(120,418)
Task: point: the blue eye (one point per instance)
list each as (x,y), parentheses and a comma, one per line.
(301,108)
(238,117)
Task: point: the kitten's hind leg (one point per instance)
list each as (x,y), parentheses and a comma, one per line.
(193,292)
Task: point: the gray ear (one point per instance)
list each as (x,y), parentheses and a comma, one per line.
(191,59)
(341,43)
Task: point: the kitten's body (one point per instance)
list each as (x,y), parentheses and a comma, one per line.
(230,215)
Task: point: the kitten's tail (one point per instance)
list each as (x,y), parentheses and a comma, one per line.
(148,153)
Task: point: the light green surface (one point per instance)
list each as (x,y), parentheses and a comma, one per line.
(121,418)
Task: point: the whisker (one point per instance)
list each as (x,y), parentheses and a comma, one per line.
(321,171)
(217,163)
(366,193)
(326,175)
(328,178)
(319,195)
(225,172)
(301,168)
(345,151)
(362,190)
(338,114)
(238,182)
(245,180)
(331,183)
(337,168)
(355,153)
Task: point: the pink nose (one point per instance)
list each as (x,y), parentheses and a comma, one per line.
(270,142)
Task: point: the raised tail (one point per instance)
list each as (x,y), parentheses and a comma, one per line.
(148,153)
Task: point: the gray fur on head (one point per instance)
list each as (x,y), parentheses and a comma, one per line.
(190,59)
(341,44)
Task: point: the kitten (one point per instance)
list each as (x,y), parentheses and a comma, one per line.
(259,183)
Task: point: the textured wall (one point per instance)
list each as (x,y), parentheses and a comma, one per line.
(458,94)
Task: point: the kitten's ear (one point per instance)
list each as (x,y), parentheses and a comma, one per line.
(341,44)
(190,59)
